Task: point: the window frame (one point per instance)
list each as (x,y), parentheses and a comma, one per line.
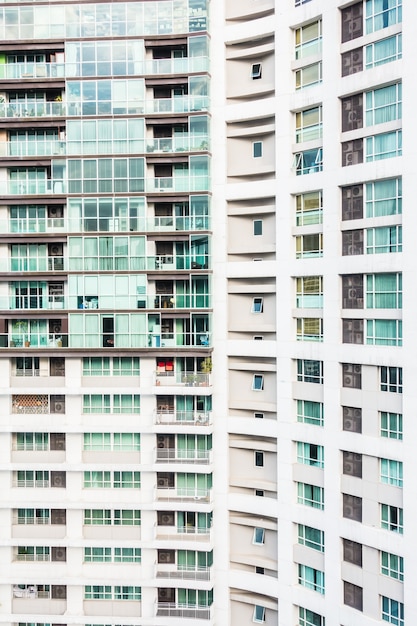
(258,382)
(257,305)
(391,425)
(391,472)
(256,71)
(305,540)
(257,149)
(392,565)
(258,538)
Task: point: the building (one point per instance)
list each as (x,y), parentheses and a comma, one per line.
(185,183)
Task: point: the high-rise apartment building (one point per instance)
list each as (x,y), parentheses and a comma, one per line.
(186,183)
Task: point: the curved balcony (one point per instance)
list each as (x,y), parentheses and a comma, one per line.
(173,609)
(183,418)
(174,455)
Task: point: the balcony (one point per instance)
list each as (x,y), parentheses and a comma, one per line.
(181,379)
(182,143)
(184,65)
(173,455)
(171,609)
(187,533)
(35,148)
(181,104)
(35,264)
(33,303)
(183,418)
(179,184)
(182,573)
(41,340)
(36,187)
(32,109)
(32,70)
(183,494)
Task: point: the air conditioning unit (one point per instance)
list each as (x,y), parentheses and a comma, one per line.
(59,554)
(168,519)
(58,479)
(59,517)
(55,327)
(347,381)
(57,406)
(347,468)
(163,483)
(56,250)
(57,441)
(165,557)
(59,592)
(55,211)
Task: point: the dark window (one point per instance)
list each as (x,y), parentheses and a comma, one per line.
(352,152)
(352,22)
(353,596)
(352,331)
(352,112)
(352,552)
(352,242)
(166,556)
(352,419)
(57,441)
(392,379)
(257,227)
(259,492)
(352,202)
(352,61)
(166,518)
(352,507)
(256,71)
(352,464)
(165,480)
(259,459)
(259,570)
(352,291)
(309,371)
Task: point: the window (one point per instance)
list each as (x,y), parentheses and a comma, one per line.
(384,291)
(99,517)
(309,412)
(384,332)
(126,517)
(353,596)
(97,592)
(352,331)
(310,292)
(311,578)
(32,441)
(391,379)
(384,239)
(26,366)
(257,147)
(352,152)
(309,208)
(383,197)
(259,493)
(126,480)
(308,161)
(310,454)
(112,441)
(309,371)
(257,382)
(257,227)
(309,329)
(258,536)
(308,75)
(392,565)
(391,425)
(391,472)
(103,480)
(352,552)
(352,464)
(392,611)
(127,592)
(256,71)
(258,415)
(308,125)
(105,366)
(392,518)
(311,537)
(258,613)
(308,40)
(309,618)
(259,570)
(352,419)
(124,403)
(127,555)
(352,242)
(352,507)
(352,202)
(383,104)
(383,51)
(257,305)
(352,112)
(309,246)
(352,22)
(97,480)
(97,555)
(259,459)
(384,146)
(382,13)
(33,553)
(310,495)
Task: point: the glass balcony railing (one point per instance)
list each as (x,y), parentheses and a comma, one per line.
(30,187)
(180,494)
(178,184)
(32,109)
(172,455)
(30,303)
(189,379)
(180,104)
(32,148)
(35,264)
(184,418)
(183,143)
(32,70)
(98,340)
(76,225)
(171,609)
(182,573)
(184,65)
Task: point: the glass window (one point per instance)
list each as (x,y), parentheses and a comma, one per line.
(309,371)
(308,75)
(257,147)
(384,197)
(384,146)
(97,555)
(256,71)
(127,592)
(309,412)
(391,379)
(310,495)
(308,40)
(308,161)
(384,51)
(383,104)
(257,305)
(99,517)
(309,329)
(97,592)
(384,332)
(258,382)
(391,425)
(257,227)
(309,246)
(310,454)
(97,480)
(258,535)
(384,291)
(311,578)
(258,614)
(309,208)
(259,459)
(392,518)
(127,555)
(308,125)
(311,537)
(392,565)
(126,480)
(382,13)
(391,472)
(310,292)
(309,618)
(392,611)
(384,239)
(126,517)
